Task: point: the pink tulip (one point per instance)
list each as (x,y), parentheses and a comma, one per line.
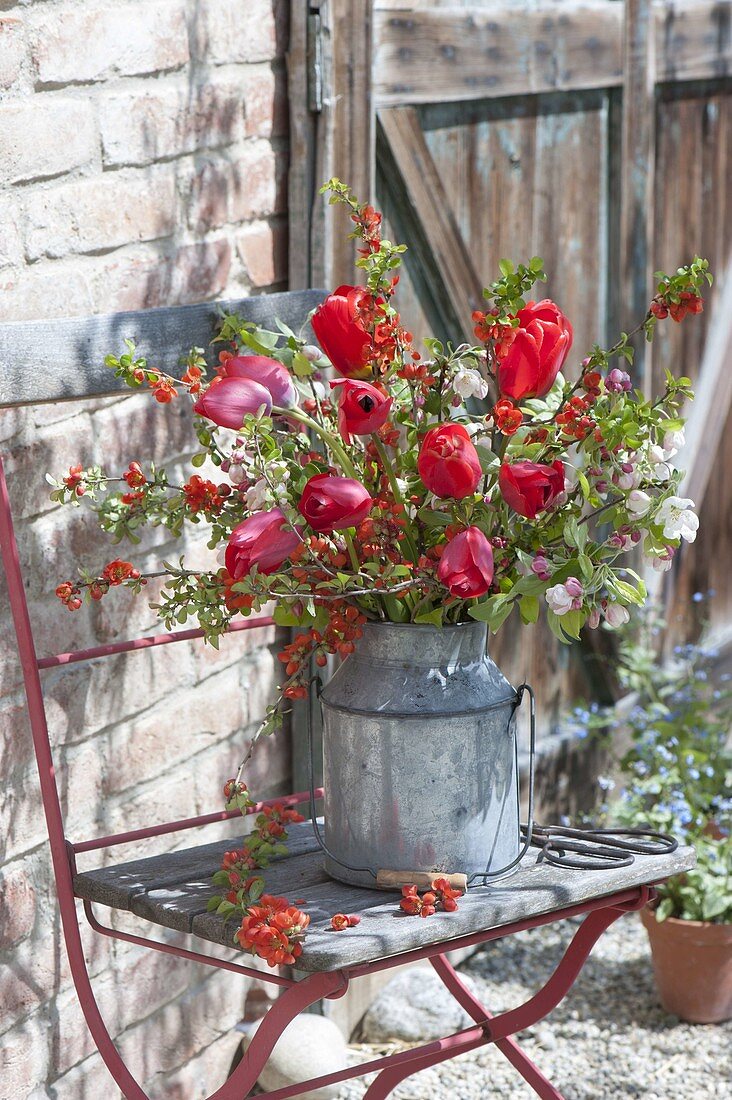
(466,565)
(268,373)
(228,401)
(264,539)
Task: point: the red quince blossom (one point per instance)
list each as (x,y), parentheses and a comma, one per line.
(416,906)
(339,922)
(507,417)
(339,326)
(68,593)
(203,496)
(264,539)
(273,931)
(466,564)
(530,487)
(362,408)
(537,352)
(134,476)
(332,503)
(448,462)
(118,571)
(75,480)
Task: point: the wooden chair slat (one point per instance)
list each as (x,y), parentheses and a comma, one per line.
(172,890)
(61,360)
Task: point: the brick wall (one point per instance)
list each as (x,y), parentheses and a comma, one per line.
(143,161)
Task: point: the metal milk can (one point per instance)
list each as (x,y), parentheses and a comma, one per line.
(420,755)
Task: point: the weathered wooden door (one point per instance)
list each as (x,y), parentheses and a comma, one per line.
(594,133)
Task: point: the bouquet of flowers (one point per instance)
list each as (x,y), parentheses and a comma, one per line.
(430,484)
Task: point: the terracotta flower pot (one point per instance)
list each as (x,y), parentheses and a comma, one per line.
(692,964)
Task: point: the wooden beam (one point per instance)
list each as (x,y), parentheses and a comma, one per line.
(710,410)
(301,183)
(430,208)
(64,359)
(441,55)
(637,174)
(345,131)
(693,39)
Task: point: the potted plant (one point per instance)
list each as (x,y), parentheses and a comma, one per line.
(398,514)
(678,779)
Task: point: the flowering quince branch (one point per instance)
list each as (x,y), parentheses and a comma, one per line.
(270,927)
(380,496)
(442,896)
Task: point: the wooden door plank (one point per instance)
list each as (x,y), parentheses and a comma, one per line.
(346,136)
(712,401)
(424,193)
(637,174)
(433,56)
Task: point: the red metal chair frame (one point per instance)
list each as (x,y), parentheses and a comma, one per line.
(297,995)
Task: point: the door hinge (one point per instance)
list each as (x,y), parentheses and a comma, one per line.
(315,62)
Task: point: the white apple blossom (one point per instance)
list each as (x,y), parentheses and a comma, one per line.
(677,519)
(469,383)
(673,442)
(629,481)
(638,502)
(559,599)
(271,490)
(616,614)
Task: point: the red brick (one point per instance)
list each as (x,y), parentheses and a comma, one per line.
(183,724)
(252,186)
(44,290)
(263,251)
(12,50)
(265,101)
(24,1061)
(17,905)
(87,215)
(129,39)
(221,35)
(45,136)
(169,120)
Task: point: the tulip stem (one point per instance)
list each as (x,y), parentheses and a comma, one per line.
(352,551)
(345,463)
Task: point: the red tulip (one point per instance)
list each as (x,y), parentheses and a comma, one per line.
(533,359)
(264,539)
(448,462)
(229,400)
(466,565)
(268,373)
(332,503)
(341,334)
(530,487)
(362,408)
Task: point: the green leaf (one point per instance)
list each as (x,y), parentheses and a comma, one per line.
(433,618)
(505,267)
(198,460)
(529,609)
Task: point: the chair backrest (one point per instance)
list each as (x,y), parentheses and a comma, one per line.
(63,360)
(50,361)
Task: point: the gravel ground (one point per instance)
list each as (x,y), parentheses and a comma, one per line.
(609,1039)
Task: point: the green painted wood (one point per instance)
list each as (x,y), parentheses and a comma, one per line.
(58,360)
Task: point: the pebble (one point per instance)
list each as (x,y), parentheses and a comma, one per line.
(311,1046)
(414,1007)
(608,1040)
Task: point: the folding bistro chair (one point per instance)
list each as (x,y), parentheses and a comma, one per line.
(171,890)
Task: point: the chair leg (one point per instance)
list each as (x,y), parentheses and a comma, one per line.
(508,1046)
(292,1002)
(499,1029)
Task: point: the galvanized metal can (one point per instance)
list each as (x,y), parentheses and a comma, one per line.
(420,755)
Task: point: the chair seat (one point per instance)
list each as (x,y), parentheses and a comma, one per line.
(172,890)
